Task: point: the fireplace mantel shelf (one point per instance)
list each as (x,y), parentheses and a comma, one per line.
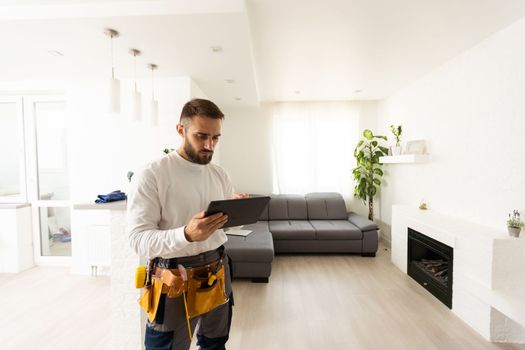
(510,303)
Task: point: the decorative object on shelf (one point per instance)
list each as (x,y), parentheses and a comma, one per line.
(397,131)
(168,150)
(129,175)
(154,106)
(416,147)
(423,205)
(367,174)
(114,86)
(514,223)
(136,96)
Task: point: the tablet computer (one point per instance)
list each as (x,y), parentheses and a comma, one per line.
(241,211)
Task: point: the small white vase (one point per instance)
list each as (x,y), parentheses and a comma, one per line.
(514,231)
(396,150)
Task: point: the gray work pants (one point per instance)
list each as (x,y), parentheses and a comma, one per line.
(169,330)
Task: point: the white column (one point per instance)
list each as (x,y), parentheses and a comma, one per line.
(125,312)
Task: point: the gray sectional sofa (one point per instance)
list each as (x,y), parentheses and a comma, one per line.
(314,223)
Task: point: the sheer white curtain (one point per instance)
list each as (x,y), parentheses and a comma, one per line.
(313,145)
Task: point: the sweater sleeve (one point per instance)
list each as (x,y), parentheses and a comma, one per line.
(228,186)
(144,214)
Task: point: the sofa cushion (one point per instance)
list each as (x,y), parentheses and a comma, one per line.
(256,247)
(291,229)
(325,206)
(335,229)
(362,223)
(287,207)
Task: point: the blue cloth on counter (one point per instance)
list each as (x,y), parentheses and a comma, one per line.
(111,197)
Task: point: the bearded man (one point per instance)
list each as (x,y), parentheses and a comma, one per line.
(167,224)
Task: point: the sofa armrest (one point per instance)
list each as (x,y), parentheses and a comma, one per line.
(362,223)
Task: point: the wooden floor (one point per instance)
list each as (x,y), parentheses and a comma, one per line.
(312,302)
(49,308)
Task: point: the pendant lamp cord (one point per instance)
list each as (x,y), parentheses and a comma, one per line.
(135,55)
(112,65)
(152,86)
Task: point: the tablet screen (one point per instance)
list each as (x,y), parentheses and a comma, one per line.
(241,211)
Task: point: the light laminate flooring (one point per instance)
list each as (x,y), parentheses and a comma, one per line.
(312,302)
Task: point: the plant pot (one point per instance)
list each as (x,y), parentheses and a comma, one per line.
(514,231)
(396,150)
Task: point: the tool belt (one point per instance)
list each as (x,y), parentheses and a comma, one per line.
(203,287)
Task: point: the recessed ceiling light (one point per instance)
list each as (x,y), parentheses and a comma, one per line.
(55,53)
(357,91)
(230,81)
(237,99)
(216,49)
(297,92)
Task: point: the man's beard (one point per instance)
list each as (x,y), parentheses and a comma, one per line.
(196,156)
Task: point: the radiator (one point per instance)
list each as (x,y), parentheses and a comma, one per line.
(99,247)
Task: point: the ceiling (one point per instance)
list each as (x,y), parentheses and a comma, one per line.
(273,50)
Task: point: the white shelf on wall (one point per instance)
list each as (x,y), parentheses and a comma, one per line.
(405,158)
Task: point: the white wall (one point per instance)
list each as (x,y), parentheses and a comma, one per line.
(247,147)
(9,144)
(104,147)
(472,113)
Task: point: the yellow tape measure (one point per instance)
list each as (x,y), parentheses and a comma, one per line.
(140,277)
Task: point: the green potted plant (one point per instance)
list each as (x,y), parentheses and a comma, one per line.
(397,131)
(367,174)
(514,223)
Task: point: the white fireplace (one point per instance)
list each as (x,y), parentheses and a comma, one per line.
(488,290)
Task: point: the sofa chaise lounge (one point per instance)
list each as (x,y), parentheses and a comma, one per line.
(314,223)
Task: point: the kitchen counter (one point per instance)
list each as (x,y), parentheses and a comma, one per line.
(119,205)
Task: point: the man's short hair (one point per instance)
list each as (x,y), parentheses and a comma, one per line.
(198,106)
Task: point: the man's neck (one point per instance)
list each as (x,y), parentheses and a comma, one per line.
(182,153)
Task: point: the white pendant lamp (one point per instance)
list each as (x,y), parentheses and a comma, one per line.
(154,106)
(136,97)
(114,84)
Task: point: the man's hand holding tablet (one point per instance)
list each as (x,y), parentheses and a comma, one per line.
(201,227)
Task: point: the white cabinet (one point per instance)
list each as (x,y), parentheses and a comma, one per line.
(91,246)
(16,240)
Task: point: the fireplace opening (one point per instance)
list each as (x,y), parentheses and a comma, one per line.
(430,264)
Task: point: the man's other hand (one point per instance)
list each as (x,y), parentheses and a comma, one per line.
(200,227)
(240,195)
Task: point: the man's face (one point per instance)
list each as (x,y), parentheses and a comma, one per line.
(200,138)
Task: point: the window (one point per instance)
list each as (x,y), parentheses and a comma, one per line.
(313,147)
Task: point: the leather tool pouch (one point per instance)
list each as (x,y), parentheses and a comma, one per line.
(206,290)
(149,301)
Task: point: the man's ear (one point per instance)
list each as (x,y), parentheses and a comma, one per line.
(180,130)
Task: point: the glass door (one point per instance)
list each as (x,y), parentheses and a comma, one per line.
(48,177)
